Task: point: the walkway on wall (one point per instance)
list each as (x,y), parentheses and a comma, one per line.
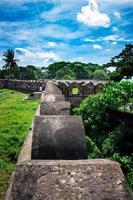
(53,162)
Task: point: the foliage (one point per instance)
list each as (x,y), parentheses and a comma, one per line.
(15,119)
(100,74)
(123,63)
(65,73)
(9,59)
(67,70)
(106,135)
(28,73)
(94,152)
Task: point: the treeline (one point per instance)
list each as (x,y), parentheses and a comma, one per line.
(59,70)
(123,64)
(22,73)
(75,70)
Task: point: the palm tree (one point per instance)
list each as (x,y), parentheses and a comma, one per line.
(9,59)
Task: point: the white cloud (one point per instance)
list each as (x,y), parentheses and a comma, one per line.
(117,2)
(51,44)
(110,38)
(114,43)
(61,9)
(108,50)
(114,38)
(55,44)
(91,16)
(117,15)
(115,29)
(37,58)
(97,46)
(88,40)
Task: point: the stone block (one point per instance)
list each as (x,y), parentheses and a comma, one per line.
(70,180)
(55,108)
(74,101)
(51,88)
(53,98)
(58,137)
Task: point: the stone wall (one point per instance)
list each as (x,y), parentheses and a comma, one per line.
(53,162)
(83,87)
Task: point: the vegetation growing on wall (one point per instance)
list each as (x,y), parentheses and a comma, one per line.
(107,135)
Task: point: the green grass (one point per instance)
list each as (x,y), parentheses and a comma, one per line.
(15,119)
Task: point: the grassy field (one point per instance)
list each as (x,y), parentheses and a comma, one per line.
(15,119)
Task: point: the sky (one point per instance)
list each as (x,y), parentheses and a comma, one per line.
(45,31)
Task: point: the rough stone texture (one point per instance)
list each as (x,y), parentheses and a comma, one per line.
(53,98)
(55,108)
(58,137)
(85,87)
(68,180)
(51,88)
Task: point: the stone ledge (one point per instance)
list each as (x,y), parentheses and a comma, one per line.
(70,180)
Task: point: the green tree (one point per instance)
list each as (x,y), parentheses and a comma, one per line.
(65,73)
(108,136)
(9,59)
(123,63)
(75,70)
(100,74)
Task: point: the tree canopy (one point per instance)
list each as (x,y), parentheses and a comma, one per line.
(123,63)
(9,59)
(69,70)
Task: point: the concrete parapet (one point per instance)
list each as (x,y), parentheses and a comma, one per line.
(58,137)
(70,180)
(55,108)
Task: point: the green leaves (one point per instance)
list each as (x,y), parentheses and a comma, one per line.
(70,71)
(106,137)
(123,63)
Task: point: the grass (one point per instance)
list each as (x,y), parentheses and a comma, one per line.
(15,119)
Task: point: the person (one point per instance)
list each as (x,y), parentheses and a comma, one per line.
(40,88)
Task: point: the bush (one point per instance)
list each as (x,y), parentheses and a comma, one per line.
(106,137)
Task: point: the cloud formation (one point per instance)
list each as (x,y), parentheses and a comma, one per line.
(91,15)
(117,15)
(37,58)
(97,46)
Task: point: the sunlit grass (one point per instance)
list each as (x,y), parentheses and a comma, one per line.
(15,119)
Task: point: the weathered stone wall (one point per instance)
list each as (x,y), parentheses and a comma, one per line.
(84,87)
(24,85)
(38,176)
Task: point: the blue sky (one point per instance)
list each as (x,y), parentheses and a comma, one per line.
(44,31)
